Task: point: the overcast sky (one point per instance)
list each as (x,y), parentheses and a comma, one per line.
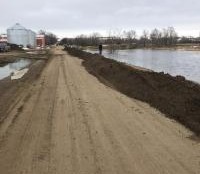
(73,17)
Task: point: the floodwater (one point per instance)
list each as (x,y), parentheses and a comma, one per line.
(174,62)
(6,70)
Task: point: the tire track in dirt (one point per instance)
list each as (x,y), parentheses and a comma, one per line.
(25,133)
(115,146)
(75,93)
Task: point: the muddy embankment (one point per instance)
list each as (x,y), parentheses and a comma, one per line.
(11,89)
(5,61)
(176,97)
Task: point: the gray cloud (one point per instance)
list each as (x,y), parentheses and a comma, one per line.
(76,16)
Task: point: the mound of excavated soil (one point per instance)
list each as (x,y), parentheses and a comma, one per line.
(176,97)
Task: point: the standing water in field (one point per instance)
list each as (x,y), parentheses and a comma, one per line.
(6,70)
(174,62)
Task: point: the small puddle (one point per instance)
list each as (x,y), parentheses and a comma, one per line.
(6,70)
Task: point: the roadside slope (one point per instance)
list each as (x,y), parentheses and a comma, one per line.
(71,123)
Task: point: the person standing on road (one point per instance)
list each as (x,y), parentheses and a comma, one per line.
(100,49)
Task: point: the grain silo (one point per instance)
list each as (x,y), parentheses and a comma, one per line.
(31,38)
(21,36)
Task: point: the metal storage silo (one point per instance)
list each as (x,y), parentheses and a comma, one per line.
(18,35)
(32,38)
(21,36)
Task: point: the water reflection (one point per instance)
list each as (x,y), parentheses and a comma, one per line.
(174,62)
(6,70)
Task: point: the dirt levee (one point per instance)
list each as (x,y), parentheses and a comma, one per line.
(176,97)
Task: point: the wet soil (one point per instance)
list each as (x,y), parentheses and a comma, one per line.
(10,89)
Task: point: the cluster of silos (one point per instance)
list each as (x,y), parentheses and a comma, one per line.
(19,35)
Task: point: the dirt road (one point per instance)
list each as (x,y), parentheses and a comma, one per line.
(67,122)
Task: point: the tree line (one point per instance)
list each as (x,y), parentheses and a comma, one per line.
(50,38)
(166,37)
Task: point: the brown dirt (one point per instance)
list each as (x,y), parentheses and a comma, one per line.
(9,90)
(176,97)
(66,121)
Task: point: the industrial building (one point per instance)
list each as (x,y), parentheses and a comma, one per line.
(19,35)
(40,40)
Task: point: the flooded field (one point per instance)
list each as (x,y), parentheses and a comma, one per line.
(9,68)
(174,62)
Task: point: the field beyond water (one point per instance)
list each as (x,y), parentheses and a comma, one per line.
(176,97)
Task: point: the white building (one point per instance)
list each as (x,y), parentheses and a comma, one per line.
(3,38)
(21,36)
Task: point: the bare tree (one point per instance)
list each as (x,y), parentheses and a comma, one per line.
(130,35)
(50,38)
(95,38)
(114,38)
(165,37)
(145,37)
(172,36)
(156,37)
